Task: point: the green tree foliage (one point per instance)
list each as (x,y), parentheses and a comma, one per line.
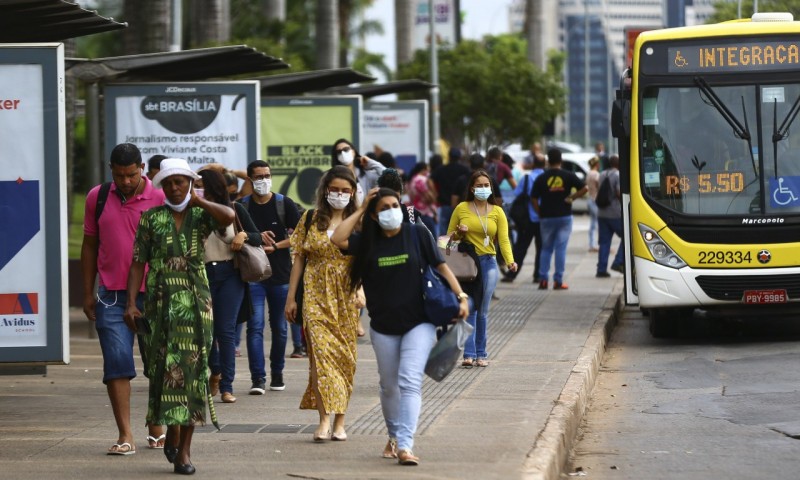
(490,92)
(727,10)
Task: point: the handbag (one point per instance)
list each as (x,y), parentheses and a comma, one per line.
(461,264)
(440,303)
(252,262)
(519,207)
(448,351)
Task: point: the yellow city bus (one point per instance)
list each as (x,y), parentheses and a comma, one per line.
(709,141)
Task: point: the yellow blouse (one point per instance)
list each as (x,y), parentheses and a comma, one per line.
(496,226)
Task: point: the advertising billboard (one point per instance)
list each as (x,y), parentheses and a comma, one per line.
(297,134)
(445,18)
(208,122)
(400,128)
(34,322)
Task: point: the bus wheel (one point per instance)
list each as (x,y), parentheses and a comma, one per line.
(664,322)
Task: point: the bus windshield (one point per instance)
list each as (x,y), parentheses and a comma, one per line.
(722,149)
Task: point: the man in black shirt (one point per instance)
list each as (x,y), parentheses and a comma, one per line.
(445,179)
(552,198)
(275,216)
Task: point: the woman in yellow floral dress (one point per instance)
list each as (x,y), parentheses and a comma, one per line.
(330,307)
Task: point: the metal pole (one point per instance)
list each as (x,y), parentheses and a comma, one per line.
(755,6)
(435,114)
(93,133)
(177,26)
(586,140)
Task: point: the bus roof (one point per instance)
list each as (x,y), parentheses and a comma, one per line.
(733,27)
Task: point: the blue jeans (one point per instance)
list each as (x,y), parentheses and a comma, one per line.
(116,338)
(609,227)
(227,293)
(401,365)
(555,236)
(445,212)
(592,223)
(275,298)
(479,314)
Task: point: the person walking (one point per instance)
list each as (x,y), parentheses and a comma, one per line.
(422,195)
(177,306)
(275,216)
(401,334)
(552,199)
(445,179)
(592,184)
(529,232)
(479,221)
(227,287)
(330,307)
(610,218)
(110,219)
(365,169)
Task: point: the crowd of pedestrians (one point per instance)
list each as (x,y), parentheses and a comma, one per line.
(162,246)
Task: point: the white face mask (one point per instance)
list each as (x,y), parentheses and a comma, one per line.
(262,187)
(390,219)
(346,158)
(181,206)
(482,193)
(338,202)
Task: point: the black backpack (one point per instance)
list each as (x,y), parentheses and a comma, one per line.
(519,207)
(604,193)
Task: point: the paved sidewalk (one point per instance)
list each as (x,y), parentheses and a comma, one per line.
(514,419)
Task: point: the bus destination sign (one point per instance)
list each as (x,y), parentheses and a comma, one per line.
(750,56)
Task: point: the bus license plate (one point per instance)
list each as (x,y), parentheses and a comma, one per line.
(765,296)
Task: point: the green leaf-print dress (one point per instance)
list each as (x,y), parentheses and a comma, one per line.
(178,305)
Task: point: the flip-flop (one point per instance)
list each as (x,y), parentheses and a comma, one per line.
(156,443)
(124,448)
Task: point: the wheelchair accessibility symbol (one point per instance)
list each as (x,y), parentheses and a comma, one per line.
(783,193)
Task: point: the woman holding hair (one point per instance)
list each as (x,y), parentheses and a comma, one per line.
(478,221)
(330,306)
(228,291)
(171,240)
(401,335)
(365,169)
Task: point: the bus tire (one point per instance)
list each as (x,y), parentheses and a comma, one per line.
(663,324)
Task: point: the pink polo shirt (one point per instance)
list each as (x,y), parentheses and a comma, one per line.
(118,224)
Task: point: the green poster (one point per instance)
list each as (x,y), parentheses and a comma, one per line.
(297,135)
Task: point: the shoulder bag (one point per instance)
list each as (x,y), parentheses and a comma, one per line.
(441,304)
(252,262)
(462,265)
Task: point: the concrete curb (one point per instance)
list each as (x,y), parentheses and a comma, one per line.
(553,445)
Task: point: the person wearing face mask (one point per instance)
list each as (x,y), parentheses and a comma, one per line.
(275,216)
(402,336)
(479,222)
(330,306)
(365,169)
(178,319)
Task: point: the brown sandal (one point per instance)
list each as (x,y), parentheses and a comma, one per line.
(390,450)
(468,363)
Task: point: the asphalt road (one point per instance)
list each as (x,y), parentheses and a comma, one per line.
(723,401)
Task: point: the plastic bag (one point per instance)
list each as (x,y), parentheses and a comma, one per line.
(448,351)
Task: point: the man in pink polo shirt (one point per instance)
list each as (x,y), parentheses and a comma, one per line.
(107,251)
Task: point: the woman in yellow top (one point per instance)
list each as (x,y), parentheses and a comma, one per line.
(330,306)
(479,221)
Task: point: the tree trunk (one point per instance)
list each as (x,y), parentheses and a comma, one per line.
(274,9)
(345,10)
(327,35)
(148,26)
(534,33)
(404,20)
(211,22)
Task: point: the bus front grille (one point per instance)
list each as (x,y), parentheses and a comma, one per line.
(733,287)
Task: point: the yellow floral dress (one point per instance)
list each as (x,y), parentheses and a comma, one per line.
(330,317)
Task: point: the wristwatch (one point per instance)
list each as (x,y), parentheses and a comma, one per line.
(462,296)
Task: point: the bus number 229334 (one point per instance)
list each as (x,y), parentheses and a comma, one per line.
(719,257)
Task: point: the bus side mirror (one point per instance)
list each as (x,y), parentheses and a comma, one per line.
(621,118)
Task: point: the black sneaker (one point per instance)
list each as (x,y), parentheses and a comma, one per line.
(259,387)
(298,352)
(276,384)
(618,268)
(543,285)
(507,279)
(602,275)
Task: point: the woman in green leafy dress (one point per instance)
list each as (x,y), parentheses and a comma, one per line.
(170,240)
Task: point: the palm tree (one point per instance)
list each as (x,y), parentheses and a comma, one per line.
(148,26)
(211,22)
(327,35)
(274,9)
(404,19)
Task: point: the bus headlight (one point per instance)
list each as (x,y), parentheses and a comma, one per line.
(659,249)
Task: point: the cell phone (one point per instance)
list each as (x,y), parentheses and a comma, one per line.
(143,326)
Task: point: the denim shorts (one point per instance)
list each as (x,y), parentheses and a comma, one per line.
(116,339)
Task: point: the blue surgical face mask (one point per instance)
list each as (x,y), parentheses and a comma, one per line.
(390,219)
(482,193)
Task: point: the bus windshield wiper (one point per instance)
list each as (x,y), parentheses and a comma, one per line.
(741,131)
(779,134)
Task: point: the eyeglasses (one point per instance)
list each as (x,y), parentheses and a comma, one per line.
(266,176)
(345,149)
(340,191)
